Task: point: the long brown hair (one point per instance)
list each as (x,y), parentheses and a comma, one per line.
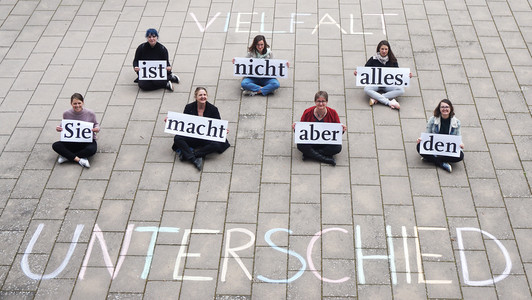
(391,56)
(256,40)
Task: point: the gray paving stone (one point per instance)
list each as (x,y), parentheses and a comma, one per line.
(155,176)
(511,286)
(94,277)
(441,271)
(131,158)
(245,178)
(269,221)
(11,241)
(52,288)
(161,289)
(518,187)
(484,292)
(395,190)
(474,53)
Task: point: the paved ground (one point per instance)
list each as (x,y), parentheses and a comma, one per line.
(258,222)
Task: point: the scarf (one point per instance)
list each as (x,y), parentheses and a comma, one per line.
(382,60)
(264,56)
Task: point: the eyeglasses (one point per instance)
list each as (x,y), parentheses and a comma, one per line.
(321,101)
(445,107)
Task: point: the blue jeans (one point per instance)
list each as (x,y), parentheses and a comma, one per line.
(265,85)
(390,92)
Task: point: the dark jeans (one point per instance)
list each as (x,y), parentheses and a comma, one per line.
(439,158)
(70,150)
(324,149)
(201,147)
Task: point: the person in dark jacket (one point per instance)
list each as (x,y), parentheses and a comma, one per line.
(192,149)
(383,94)
(153,50)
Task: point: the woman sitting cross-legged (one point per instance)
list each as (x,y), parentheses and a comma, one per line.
(320,113)
(192,149)
(77,151)
(443,122)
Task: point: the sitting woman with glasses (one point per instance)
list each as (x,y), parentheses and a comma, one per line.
(153,50)
(320,113)
(443,122)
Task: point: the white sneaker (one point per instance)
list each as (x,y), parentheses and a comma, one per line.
(249,93)
(169,86)
(84,163)
(61,159)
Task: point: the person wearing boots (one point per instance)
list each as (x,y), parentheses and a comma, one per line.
(192,149)
(153,50)
(320,113)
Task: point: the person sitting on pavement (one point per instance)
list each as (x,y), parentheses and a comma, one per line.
(77,151)
(320,113)
(192,149)
(153,50)
(384,58)
(252,86)
(443,122)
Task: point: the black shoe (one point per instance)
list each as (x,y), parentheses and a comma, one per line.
(174,78)
(136,80)
(180,154)
(329,160)
(198,163)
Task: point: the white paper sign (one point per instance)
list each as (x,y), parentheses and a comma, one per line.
(76,131)
(196,127)
(257,67)
(152,70)
(318,133)
(383,76)
(440,144)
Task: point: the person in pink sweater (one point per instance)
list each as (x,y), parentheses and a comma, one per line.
(76,151)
